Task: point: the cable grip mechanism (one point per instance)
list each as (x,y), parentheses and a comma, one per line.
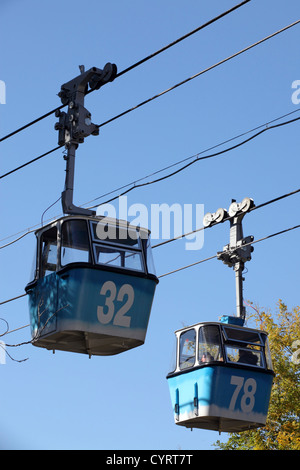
(238,251)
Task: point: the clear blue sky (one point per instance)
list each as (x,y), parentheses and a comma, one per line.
(67,401)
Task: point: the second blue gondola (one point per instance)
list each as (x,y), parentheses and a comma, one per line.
(222,378)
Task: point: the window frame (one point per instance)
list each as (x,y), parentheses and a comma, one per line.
(224,361)
(113,242)
(39,269)
(241,348)
(235,340)
(180,348)
(60,231)
(118,249)
(221,349)
(118,246)
(241,345)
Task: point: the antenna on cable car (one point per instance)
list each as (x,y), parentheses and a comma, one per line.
(76,124)
(239,249)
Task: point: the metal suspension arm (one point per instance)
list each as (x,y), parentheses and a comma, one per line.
(76,124)
(235,254)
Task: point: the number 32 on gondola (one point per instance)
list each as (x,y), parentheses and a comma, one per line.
(90,295)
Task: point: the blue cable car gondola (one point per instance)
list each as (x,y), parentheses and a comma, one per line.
(223,376)
(91,293)
(93,283)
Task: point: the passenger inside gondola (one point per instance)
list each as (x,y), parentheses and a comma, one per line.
(247,357)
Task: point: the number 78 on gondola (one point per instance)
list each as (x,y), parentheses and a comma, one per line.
(222,377)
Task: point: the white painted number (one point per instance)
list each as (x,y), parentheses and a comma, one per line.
(105,314)
(249,389)
(120,318)
(110,287)
(238,381)
(248,399)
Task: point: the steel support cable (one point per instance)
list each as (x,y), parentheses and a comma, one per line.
(136,64)
(169,89)
(281,232)
(198,159)
(179,237)
(30,230)
(259,206)
(17,239)
(133,183)
(183,82)
(31,123)
(13,298)
(266,124)
(215,256)
(164,177)
(271,201)
(31,161)
(208,23)
(185,267)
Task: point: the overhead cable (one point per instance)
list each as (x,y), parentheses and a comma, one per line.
(13,298)
(134,184)
(197,159)
(29,163)
(215,256)
(131,67)
(259,206)
(183,82)
(208,23)
(166,91)
(185,267)
(31,123)
(193,264)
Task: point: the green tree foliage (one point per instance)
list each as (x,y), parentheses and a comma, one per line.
(282,430)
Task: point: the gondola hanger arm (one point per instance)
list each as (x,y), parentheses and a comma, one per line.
(76,124)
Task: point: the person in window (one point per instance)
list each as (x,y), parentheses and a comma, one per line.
(247,357)
(207,357)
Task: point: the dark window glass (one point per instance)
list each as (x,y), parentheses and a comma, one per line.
(48,252)
(115,234)
(75,242)
(235,334)
(209,344)
(187,349)
(113,256)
